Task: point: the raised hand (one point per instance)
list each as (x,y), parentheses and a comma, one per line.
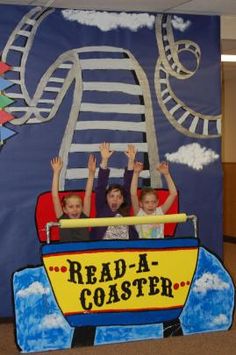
(163,168)
(56,164)
(138,167)
(105,150)
(131,153)
(105,154)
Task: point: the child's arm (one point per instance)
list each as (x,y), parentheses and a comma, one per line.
(164,169)
(89,185)
(56,164)
(128,173)
(138,167)
(103,176)
(131,153)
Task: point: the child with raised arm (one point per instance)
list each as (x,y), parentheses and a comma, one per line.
(72,205)
(114,200)
(148,202)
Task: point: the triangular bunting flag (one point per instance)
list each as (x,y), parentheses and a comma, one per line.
(4,67)
(4,84)
(5,133)
(5,101)
(5,117)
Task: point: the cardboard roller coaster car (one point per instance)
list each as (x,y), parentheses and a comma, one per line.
(121,281)
(108,291)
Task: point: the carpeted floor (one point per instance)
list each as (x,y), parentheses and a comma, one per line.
(216,343)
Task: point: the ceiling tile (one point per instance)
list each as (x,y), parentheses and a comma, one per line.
(217,7)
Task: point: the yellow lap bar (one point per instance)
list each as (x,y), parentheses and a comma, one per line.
(115,221)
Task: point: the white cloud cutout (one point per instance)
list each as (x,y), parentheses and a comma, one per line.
(107,21)
(179,24)
(36,288)
(221,319)
(208,282)
(52,321)
(193,155)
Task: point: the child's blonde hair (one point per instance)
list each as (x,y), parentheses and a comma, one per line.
(65,198)
(146,191)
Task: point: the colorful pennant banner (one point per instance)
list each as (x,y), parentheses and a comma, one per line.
(4,67)
(5,133)
(5,101)
(5,117)
(4,84)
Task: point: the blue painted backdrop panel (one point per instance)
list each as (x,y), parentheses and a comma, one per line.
(25,157)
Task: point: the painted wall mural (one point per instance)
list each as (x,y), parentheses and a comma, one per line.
(69,81)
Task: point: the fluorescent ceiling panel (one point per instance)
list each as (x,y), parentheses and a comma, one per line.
(228,58)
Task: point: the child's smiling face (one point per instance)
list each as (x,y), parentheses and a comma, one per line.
(73,207)
(149,203)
